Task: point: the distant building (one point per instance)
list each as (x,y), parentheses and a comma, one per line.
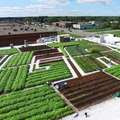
(64,38)
(105,38)
(84,26)
(64,24)
(109,39)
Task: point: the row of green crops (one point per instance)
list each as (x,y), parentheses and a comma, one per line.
(115,71)
(113,55)
(40,103)
(57,71)
(107,61)
(82,43)
(76,50)
(19,59)
(12,79)
(8,51)
(89,64)
(85,47)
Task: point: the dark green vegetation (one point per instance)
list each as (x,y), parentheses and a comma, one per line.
(76,50)
(57,71)
(8,51)
(89,63)
(87,47)
(79,47)
(85,54)
(38,103)
(62,45)
(107,61)
(113,55)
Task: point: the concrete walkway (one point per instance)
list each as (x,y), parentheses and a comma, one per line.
(108,110)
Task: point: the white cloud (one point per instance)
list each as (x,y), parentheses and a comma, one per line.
(45,7)
(37,8)
(94,1)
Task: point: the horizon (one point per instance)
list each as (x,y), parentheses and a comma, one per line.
(35,8)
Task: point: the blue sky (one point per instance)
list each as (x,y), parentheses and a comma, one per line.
(16,8)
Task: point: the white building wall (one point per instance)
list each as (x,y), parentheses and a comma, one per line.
(76,26)
(109,39)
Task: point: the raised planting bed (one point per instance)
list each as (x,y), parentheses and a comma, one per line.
(3,59)
(40,103)
(115,71)
(8,51)
(107,61)
(113,55)
(19,59)
(45,51)
(34,48)
(58,71)
(83,43)
(49,55)
(12,79)
(91,45)
(89,63)
(76,50)
(91,89)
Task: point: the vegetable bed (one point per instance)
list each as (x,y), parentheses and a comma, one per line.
(89,63)
(19,59)
(115,71)
(8,51)
(40,103)
(58,70)
(12,79)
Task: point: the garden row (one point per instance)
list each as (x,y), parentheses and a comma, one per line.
(19,59)
(12,79)
(89,63)
(113,55)
(40,103)
(90,89)
(18,78)
(85,47)
(115,71)
(34,48)
(76,50)
(8,51)
(57,71)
